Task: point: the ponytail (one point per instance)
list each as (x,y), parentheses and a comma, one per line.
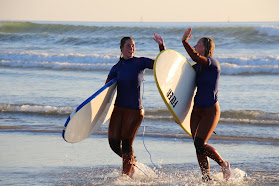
(209,46)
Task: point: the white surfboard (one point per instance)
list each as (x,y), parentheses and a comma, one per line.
(175,79)
(91,114)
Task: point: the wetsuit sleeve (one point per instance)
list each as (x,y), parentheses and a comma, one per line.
(113,72)
(194,55)
(162,47)
(195,66)
(146,63)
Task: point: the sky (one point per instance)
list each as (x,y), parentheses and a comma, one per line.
(140,10)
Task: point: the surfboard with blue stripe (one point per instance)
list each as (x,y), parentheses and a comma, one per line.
(90,114)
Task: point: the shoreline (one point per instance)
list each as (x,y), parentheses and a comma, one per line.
(30,158)
(214,138)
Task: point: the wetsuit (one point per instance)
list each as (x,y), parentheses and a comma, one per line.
(207,80)
(128,112)
(206,112)
(129,75)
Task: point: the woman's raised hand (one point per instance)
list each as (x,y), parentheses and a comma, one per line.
(187,35)
(158,39)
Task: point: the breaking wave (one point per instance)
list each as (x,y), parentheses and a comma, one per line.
(252,117)
(229,65)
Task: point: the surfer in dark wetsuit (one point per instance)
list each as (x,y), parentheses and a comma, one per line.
(206,111)
(128,110)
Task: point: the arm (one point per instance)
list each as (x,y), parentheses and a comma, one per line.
(160,42)
(107,80)
(192,53)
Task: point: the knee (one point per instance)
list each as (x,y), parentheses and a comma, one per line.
(115,146)
(126,146)
(199,145)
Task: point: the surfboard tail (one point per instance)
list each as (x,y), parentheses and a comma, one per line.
(90,115)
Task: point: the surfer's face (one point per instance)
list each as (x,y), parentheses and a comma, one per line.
(199,47)
(128,50)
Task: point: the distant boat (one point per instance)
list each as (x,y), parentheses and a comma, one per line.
(228,19)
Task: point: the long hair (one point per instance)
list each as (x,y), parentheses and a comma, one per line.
(209,46)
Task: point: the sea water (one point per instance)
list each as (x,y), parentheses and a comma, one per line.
(48,68)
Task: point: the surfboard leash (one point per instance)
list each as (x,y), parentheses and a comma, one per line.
(141,170)
(143,133)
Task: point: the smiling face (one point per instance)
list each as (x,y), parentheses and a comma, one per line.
(200,48)
(128,49)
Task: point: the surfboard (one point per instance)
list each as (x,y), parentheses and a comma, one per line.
(175,80)
(91,114)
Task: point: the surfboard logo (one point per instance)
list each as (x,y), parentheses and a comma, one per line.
(172,98)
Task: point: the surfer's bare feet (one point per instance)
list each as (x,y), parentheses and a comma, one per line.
(132,171)
(206,178)
(226,170)
(133,168)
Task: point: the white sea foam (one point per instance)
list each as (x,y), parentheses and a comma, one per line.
(35,109)
(232,116)
(30,56)
(229,65)
(268,30)
(227,68)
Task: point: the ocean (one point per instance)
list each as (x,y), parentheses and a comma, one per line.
(48,68)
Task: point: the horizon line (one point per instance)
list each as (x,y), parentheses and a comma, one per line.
(26,20)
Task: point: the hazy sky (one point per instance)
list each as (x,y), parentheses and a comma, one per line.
(140,10)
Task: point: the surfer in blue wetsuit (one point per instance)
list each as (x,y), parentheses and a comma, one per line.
(128,110)
(206,111)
